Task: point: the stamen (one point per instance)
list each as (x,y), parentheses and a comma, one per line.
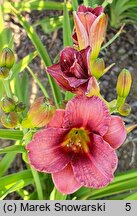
(77,140)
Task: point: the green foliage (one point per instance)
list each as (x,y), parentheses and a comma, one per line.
(34,5)
(123,11)
(93,3)
(123,182)
(50,24)
(18,86)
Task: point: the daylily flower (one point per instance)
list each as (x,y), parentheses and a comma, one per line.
(78,145)
(89,28)
(72,73)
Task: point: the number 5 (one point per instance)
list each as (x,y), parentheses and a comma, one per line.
(128,207)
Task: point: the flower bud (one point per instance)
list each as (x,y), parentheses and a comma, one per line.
(7,58)
(124,83)
(98,67)
(20,107)
(39,114)
(9,120)
(125,109)
(4,72)
(7,104)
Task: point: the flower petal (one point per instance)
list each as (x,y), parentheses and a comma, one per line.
(116,133)
(81,32)
(83,8)
(90,113)
(87,20)
(75,82)
(67,58)
(97,33)
(65,180)
(92,87)
(96,169)
(85,53)
(98,10)
(55,71)
(45,153)
(57,119)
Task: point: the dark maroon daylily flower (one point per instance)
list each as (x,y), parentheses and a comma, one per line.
(72,73)
(78,146)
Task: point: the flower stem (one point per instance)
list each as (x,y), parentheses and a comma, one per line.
(113,38)
(38,184)
(38,82)
(6,85)
(106,2)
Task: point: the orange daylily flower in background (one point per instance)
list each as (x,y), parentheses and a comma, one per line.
(89,28)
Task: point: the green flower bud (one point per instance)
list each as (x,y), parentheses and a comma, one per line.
(9,120)
(4,72)
(125,109)
(20,107)
(39,114)
(7,104)
(7,58)
(98,68)
(124,83)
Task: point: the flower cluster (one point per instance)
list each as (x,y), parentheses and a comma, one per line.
(78,143)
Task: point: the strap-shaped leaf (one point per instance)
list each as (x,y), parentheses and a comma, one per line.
(11,134)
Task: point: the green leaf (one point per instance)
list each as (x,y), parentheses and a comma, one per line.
(25,89)
(50,24)
(5,33)
(11,134)
(11,189)
(67,39)
(75,5)
(123,182)
(13,148)
(113,38)
(115,189)
(22,64)
(33,196)
(67,33)
(42,53)
(132,196)
(56,195)
(6,162)
(69,95)
(37,182)
(39,83)
(35,5)
(1,89)
(8,181)
(17,88)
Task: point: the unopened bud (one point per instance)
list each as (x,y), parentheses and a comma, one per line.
(9,120)
(98,67)
(7,58)
(124,83)
(4,72)
(7,104)
(125,109)
(20,107)
(39,114)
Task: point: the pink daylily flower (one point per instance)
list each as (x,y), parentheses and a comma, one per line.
(72,73)
(78,145)
(89,28)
